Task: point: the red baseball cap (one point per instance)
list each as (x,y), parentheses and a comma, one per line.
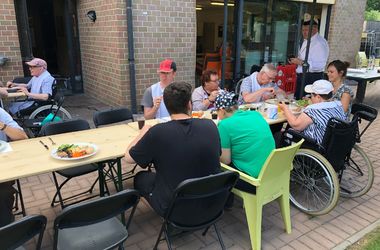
(167,65)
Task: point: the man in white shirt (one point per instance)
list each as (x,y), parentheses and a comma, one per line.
(318,55)
(259,86)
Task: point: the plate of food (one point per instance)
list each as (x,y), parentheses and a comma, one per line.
(251,106)
(296,110)
(3,145)
(74,151)
(303,103)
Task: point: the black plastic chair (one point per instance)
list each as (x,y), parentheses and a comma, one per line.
(94,224)
(65,127)
(363,112)
(16,234)
(107,117)
(198,203)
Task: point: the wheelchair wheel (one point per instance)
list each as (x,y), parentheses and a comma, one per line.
(357,176)
(314,186)
(45,110)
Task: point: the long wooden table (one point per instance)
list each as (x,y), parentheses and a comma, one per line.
(29,157)
(280,119)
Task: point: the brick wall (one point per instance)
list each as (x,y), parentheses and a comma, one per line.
(9,44)
(104,50)
(163,29)
(345,29)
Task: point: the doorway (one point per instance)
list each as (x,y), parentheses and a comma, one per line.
(48,29)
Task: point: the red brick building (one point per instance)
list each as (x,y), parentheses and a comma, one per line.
(93,55)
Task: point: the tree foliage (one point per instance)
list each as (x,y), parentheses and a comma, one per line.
(372,15)
(373,5)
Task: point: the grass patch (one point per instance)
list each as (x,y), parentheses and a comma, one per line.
(370,241)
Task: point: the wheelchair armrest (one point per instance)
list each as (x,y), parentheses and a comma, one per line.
(291,135)
(364,111)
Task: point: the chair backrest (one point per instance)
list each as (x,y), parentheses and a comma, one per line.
(19,232)
(106,117)
(95,211)
(340,136)
(199,202)
(64,127)
(275,173)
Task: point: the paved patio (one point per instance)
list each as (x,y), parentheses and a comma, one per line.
(347,222)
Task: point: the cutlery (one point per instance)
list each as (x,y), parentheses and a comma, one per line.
(46,146)
(52,142)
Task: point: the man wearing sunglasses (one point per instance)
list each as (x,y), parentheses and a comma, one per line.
(154,106)
(259,86)
(38,88)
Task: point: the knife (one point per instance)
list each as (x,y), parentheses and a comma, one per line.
(46,146)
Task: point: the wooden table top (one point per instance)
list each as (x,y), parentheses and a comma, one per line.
(29,157)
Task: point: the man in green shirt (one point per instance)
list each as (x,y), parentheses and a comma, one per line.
(246,138)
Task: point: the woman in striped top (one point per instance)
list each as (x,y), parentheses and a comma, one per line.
(313,120)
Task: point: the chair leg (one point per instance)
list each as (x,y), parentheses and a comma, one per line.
(253,212)
(58,193)
(159,236)
(285,212)
(168,242)
(219,237)
(21,198)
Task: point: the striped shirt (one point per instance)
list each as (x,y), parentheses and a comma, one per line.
(321,113)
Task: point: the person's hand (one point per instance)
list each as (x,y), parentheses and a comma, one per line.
(282,106)
(213,95)
(10,84)
(3,92)
(24,90)
(157,102)
(295,60)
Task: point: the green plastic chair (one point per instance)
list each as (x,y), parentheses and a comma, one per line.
(271,184)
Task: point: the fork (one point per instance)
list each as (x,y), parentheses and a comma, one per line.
(52,142)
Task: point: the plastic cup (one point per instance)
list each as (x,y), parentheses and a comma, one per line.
(141,123)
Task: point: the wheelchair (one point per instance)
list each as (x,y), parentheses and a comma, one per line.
(33,117)
(337,166)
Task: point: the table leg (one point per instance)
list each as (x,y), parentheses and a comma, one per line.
(119,175)
(101,178)
(360,92)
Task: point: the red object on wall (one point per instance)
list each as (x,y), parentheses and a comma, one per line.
(286,77)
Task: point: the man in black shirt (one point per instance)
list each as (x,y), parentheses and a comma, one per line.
(180,149)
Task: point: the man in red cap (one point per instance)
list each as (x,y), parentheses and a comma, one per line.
(38,88)
(154,106)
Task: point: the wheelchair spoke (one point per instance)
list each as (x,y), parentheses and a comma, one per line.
(357,176)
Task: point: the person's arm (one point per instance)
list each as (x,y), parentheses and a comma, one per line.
(150,112)
(128,157)
(256,96)
(296,122)
(345,100)
(198,102)
(42,97)
(13,133)
(12,85)
(226,156)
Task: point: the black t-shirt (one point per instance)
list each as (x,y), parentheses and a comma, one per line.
(179,150)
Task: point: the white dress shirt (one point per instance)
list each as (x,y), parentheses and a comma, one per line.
(318,54)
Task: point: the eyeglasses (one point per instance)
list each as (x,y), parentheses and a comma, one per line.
(270,78)
(215,81)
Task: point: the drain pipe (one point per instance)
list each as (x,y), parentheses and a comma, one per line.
(131,57)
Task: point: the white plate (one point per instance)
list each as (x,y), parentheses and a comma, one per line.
(55,156)
(3,145)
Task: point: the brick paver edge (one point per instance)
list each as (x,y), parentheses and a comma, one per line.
(357,236)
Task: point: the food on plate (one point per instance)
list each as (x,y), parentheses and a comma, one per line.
(302,103)
(74,151)
(197,114)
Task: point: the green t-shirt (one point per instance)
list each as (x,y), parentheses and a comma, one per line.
(248,136)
